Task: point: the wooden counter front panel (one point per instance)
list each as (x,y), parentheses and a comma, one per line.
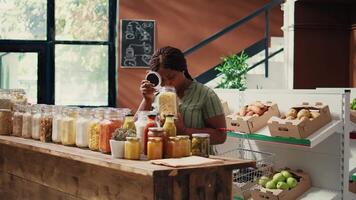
(59,178)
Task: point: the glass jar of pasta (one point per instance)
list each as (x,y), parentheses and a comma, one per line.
(200,144)
(17,120)
(67,128)
(46,124)
(27,122)
(113,119)
(167,102)
(94,129)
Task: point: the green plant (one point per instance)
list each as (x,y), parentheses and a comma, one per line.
(234,69)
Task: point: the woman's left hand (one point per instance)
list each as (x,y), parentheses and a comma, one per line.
(179,122)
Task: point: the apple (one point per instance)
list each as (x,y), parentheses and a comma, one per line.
(270,185)
(286,174)
(282,185)
(263,180)
(279,177)
(292,182)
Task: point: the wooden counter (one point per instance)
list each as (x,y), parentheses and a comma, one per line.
(31,169)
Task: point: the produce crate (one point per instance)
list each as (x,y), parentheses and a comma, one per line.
(261,193)
(300,128)
(251,124)
(246,178)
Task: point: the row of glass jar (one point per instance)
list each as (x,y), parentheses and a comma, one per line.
(70,126)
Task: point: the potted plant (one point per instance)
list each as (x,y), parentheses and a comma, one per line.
(117,141)
(233,68)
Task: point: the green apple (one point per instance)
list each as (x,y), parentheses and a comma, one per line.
(263,180)
(286,174)
(270,185)
(279,177)
(292,182)
(282,185)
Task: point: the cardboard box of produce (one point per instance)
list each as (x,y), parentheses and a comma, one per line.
(249,124)
(304,183)
(353,116)
(306,120)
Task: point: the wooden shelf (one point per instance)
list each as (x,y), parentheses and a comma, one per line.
(316,193)
(311,141)
(142,167)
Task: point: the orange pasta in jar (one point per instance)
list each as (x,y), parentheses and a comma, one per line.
(113,120)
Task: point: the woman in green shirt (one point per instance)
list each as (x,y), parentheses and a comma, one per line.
(199,110)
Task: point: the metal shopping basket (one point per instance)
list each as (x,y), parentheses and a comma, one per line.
(244,179)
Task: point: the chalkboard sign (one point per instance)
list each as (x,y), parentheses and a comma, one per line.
(137,42)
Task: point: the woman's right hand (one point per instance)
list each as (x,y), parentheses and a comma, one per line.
(147,90)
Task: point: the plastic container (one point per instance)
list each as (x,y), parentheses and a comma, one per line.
(27,122)
(200,144)
(167,102)
(82,127)
(56,123)
(67,127)
(132,148)
(154,148)
(17,120)
(46,124)
(113,119)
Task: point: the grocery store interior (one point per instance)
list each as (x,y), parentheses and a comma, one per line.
(167,99)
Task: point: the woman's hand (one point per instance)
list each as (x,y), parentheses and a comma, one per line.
(179,122)
(147,90)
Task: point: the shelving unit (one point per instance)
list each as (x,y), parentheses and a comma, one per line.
(321,155)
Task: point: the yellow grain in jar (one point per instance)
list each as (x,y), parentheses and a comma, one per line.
(132,148)
(184,145)
(154,148)
(94,132)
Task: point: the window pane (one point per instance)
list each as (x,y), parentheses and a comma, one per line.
(21,19)
(81,20)
(81,75)
(19,70)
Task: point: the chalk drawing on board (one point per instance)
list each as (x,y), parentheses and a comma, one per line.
(137,42)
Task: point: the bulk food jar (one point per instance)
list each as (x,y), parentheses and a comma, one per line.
(132,148)
(17,120)
(169,126)
(172,150)
(5,99)
(18,96)
(200,144)
(67,128)
(56,123)
(140,126)
(5,121)
(184,145)
(129,122)
(151,122)
(27,122)
(94,129)
(154,148)
(36,120)
(82,127)
(113,119)
(46,124)
(167,101)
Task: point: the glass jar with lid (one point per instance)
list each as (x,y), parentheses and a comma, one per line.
(46,124)
(184,145)
(56,123)
(27,122)
(67,128)
(167,101)
(82,127)
(200,144)
(157,132)
(132,148)
(113,119)
(169,126)
(94,129)
(17,120)
(5,121)
(5,99)
(36,120)
(154,148)
(151,122)
(172,148)
(129,122)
